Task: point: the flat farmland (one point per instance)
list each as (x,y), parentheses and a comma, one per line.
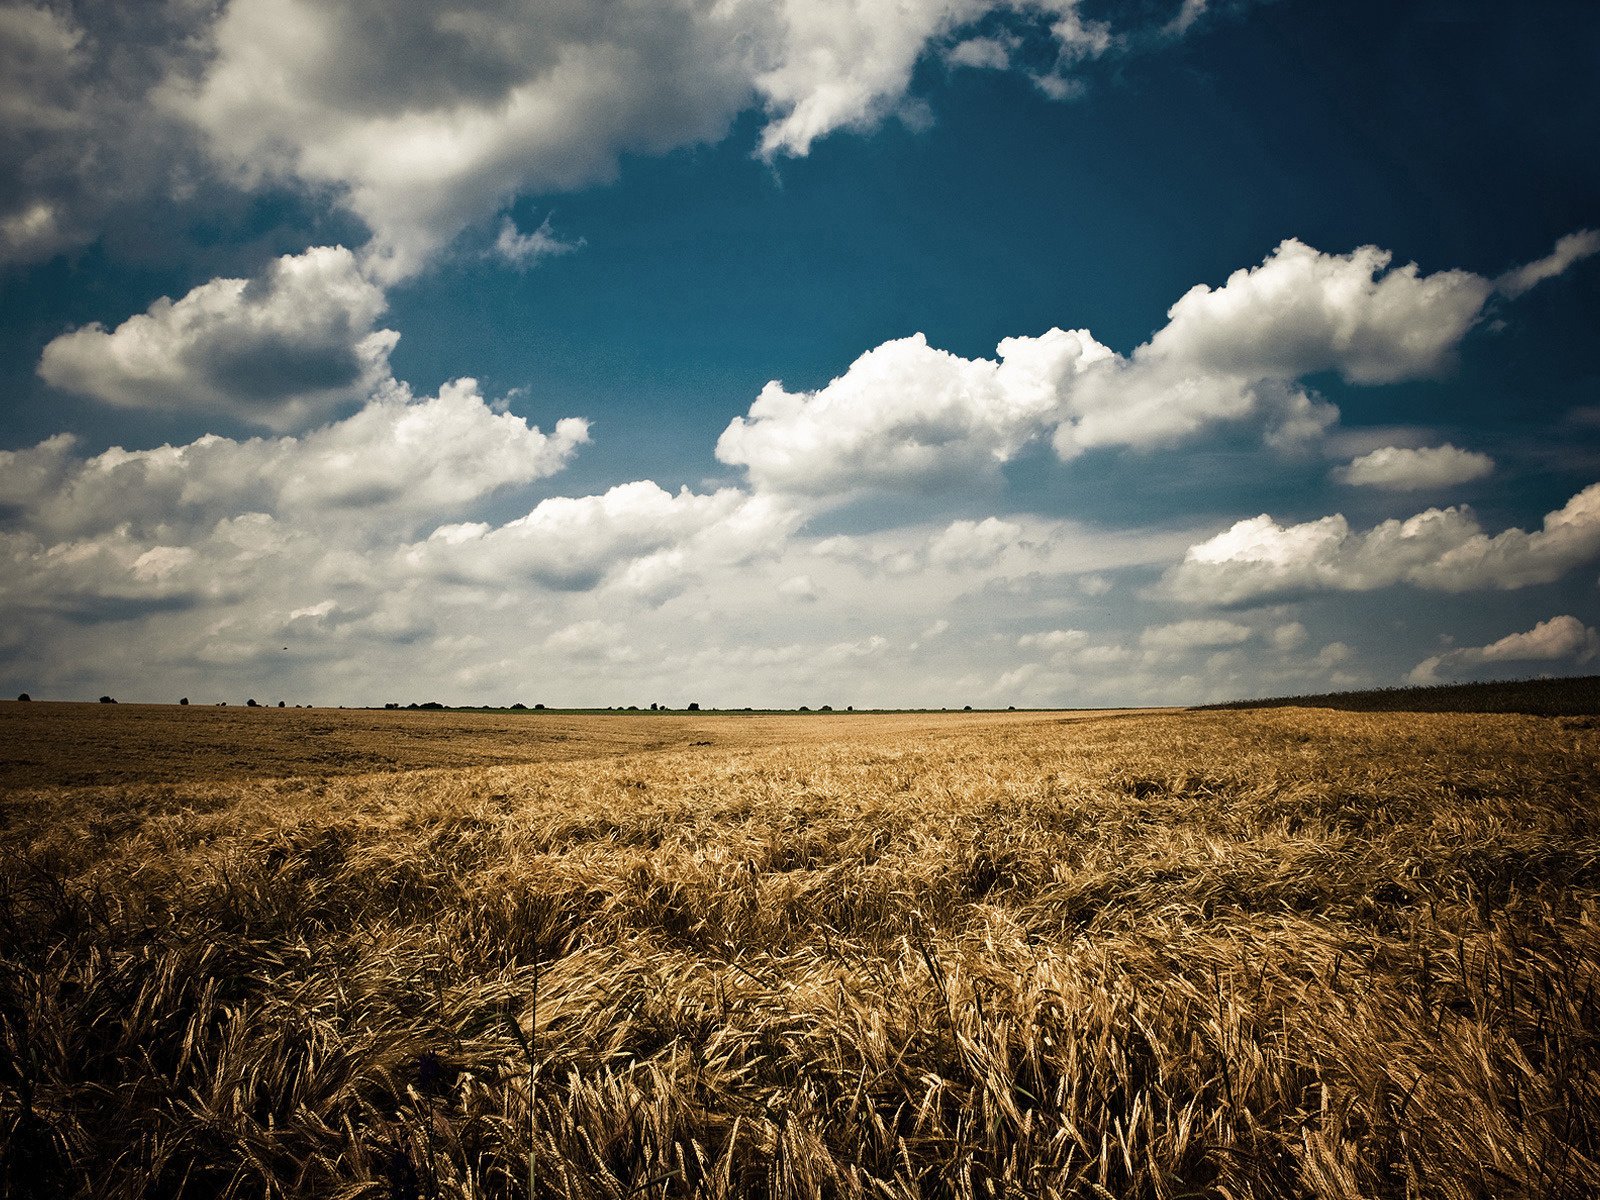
(1285,952)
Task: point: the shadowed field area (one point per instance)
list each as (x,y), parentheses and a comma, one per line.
(1566,697)
(1267,953)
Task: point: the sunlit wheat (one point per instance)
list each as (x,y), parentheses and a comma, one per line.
(1277,953)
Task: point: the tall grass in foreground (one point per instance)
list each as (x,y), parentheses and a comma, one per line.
(1233,955)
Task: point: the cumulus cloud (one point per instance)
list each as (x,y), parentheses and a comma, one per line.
(798,587)
(390,465)
(983,53)
(1573,248)
(909,416)
(1563,639)
(1302,311)
(1332,655)
(1291,635)
(208,565)
(974,543)
(283,350)
(592,639)
(1094,585)
(1053,640)
(1397,469)
(834,66)
(1052,557)
(40,49)
(427,119)
(1196,635)
(77,137)
(122,573)
(637,531)
(221,552)
(1237,351)
(436,455)
(1440,549)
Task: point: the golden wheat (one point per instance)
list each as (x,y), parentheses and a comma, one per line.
(1282,953)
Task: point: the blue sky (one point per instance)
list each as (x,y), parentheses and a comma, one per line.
(924,353)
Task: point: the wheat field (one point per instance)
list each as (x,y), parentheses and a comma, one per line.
(1284,952)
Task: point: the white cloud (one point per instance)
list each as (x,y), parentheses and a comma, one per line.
(1560,639)
(1397,469)
(1094,585)
(798,587)
(1236,352)
(77,139)
(592,639)
(569,543)
(1053,640)
(282,351)
(983,53)
(41,49)
(974,544)
(395,462)
(838,66)
(1106,655)
(199,560)
(122,572)
(1441,549)
(1302,311)
(1196,635)
(1573,248)
(1036,554)
(426,457)
(1332,655)
(907,416)
(1289,636)
(1189,12)
(1015,678)
(168,592)
(428,119)
(525,249)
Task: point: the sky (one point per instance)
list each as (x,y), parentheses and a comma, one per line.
(884,353)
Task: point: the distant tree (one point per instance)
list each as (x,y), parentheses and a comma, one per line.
(849,708)
(826,708)
(1011,708)
(185,700)
(107,700)
(694,706)
(280,704)
(966,708)
(24,697)
(391,705)
(251,704)
(653,707)
(803,708)
(538,706)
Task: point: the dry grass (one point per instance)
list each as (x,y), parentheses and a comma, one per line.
(1275,953)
